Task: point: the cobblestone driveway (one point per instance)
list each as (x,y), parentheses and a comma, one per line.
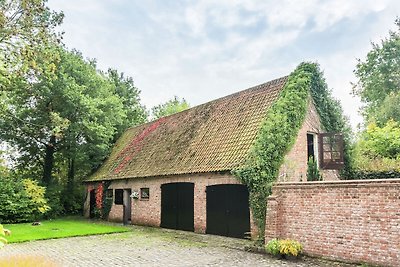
(151,247)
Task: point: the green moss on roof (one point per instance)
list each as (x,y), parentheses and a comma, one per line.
(212,137)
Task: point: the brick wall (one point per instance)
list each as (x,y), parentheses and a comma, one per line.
(148,212)
(357,221)
(294,167)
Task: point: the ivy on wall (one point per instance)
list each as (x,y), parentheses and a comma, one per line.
(103,204)
(332,118)
(279,130)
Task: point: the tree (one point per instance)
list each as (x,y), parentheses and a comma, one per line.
(378,85)
(170,107)
(129,94)
(378,82)
(76,108)
(65,124)
(27,28)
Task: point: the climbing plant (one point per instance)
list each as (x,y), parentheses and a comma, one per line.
(107,202)
(279,130)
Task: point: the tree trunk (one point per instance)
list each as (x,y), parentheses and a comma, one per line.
(71,176)
(49,161)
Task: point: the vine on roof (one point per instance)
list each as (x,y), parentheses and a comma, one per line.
(279,131)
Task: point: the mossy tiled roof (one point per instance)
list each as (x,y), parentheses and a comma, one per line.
(215,136)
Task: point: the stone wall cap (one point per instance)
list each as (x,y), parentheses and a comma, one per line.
(364,182)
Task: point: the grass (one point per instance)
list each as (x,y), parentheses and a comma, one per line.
(59,228)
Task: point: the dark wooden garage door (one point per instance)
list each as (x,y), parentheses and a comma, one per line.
(228,210)
(177,210)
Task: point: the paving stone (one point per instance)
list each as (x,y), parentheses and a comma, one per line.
(154,247)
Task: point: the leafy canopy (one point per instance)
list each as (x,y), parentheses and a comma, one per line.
(378,77)
(170,107)
(378,85)
(64,124)
(27,28)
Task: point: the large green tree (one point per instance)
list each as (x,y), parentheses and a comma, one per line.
(378,85)
(378,77)
(170,107)
(75,112)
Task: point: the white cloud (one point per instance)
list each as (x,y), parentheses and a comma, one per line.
(208,49)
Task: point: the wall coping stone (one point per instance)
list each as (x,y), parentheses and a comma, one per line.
(340,183)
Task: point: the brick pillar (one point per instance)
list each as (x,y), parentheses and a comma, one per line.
(271,220)
(200,209)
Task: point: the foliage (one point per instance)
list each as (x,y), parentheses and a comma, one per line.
(55,202)
(290,247)
(106,202)
(66,123)
(378,150)
(379,78)
(60,228)
(15,204)
(170,107)
(129,94)
(272,247)
(103,204)
(279,130)
(277,135)
(284,247)
(3,232)
(332,118)
(389,110)
(21,200)
(27,27)
(381,141)
(37,195)
(313,170)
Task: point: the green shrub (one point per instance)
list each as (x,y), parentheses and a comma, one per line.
(313,170)
(286,247)
(38,203)
(15,204)
(53,195)
(72,200)
(272,247)
(21,200)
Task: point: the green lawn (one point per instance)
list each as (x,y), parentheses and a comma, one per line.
(59,228)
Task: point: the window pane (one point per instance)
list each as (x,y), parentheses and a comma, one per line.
(119,197)
(144,193)
(109,193)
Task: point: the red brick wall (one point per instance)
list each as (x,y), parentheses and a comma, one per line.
(357,221)
(148,212)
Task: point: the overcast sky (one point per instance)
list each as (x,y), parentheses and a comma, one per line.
(202,50)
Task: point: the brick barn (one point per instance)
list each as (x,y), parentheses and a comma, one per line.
(175,172)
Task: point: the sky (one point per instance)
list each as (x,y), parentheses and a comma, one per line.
(202,50)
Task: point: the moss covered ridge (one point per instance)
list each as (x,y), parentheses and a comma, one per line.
(278,133)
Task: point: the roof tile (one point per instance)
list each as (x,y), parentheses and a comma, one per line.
(215,136)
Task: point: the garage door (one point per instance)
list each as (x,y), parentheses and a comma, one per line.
(228,211)
(177,210)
